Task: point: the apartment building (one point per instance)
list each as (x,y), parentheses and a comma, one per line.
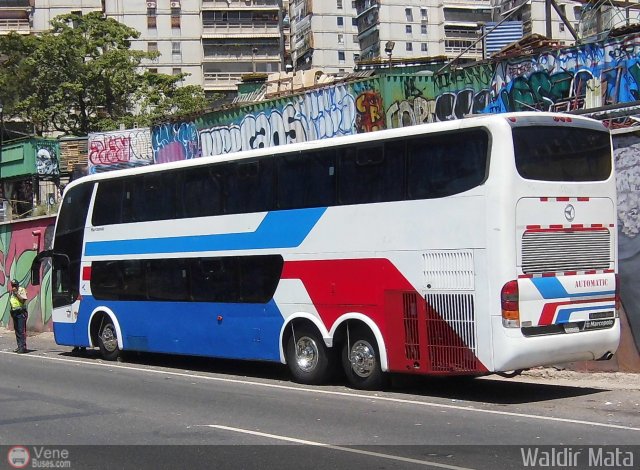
(533,15)
(240,37)
(172,28)
(420,28)
(324,35)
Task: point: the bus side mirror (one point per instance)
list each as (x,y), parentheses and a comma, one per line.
(35,266)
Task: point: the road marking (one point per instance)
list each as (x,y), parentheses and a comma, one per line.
(334,447)
(372,396)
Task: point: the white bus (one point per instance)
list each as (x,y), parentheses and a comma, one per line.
(465,247)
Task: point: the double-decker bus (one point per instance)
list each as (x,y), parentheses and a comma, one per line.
(474,246)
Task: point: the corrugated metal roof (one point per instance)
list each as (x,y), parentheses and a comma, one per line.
(505,34)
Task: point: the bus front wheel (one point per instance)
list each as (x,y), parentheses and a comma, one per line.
(361,361)
(108,341)
(307,356)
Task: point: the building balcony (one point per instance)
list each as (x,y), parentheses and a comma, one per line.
(240,30)
(222,80)
(19,26)
(240,5)
(223,54)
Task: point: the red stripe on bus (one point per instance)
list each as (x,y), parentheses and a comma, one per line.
(562,199)
(544,199)
(86,273)
(583,199)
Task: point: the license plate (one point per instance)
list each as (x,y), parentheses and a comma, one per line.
(571,328)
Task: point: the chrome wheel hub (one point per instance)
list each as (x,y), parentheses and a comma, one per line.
(363,358)
(306,354)
(108,338)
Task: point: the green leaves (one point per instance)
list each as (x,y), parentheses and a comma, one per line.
(82,77)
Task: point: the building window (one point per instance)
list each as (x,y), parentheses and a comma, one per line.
(153,70)
(175,21)
(409,46)
(409,14)
(176,71)
(341,39)
(151,18)
(408,29)
(423,28)
(354,21)
(561,25)
(339,4)
(353,4)
(355,39)
(175,48)
(340,56)
(423,14)
(423,47)
(356,57)
(152,47)
(340,21)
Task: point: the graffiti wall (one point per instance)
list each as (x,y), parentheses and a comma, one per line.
(318,114)
(119,149)
(18,247)
(627,161)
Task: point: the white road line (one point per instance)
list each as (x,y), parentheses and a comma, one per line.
(317,391)
(334,447)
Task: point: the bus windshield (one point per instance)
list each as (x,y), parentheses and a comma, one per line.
(554,153)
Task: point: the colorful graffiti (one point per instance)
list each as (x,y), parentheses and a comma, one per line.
(370,112)
(318,114)
(562,80)
(175,141)
(47,158)
(119,149)
(19,244)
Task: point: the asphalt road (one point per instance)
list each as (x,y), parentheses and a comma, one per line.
(156,411)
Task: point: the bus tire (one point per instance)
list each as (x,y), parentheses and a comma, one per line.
(307,356)
(361,361)
(108,341)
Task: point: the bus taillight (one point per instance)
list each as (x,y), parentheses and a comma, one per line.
(509,299)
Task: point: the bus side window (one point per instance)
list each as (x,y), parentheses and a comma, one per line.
(249,187)
(214,280)
(307,180)
(370,173)
(440,166)
(107,208)
(201,193)
(167,279)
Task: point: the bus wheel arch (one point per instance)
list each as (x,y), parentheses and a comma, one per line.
(361,352)
(105,333)
(306,353)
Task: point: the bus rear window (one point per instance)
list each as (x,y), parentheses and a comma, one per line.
(552,153)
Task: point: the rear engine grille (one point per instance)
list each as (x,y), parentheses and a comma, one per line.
(565,250)
(451,333)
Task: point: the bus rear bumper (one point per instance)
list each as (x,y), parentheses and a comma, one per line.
(513,351)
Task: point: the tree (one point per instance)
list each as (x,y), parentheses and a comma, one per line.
(82,76)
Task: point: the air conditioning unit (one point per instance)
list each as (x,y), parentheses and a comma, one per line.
(175,4)
(151,4)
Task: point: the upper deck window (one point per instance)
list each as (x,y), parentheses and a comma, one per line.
(554,153)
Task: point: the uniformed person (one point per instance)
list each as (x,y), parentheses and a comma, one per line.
(17,300)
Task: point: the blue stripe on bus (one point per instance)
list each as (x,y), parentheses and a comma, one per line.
(552,288)
(564,314)
(225,330)
(280,229)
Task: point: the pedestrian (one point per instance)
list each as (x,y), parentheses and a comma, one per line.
(17,300)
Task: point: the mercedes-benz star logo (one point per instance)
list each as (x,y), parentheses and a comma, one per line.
(570,212)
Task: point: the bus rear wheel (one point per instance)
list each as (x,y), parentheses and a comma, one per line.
(361,361)
(307,356)
(108,341)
